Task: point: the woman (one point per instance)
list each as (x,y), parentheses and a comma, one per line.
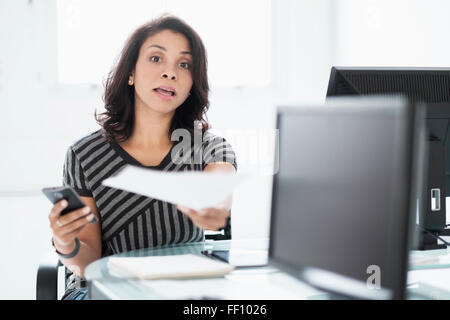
(158,87)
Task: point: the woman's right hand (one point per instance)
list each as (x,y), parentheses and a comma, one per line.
(65,228)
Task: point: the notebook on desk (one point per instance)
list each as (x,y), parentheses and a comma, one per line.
(168,267)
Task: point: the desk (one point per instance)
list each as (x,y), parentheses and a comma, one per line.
(255,283)
(242,284)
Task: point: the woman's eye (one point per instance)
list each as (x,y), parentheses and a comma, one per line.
(155,59)
(185,65)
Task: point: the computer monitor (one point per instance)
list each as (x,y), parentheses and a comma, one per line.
(428,85)
(344,195)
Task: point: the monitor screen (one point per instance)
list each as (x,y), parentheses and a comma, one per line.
(432,87)
(428,85)
(341,200)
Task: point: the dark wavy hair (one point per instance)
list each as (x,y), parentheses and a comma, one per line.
(118,120)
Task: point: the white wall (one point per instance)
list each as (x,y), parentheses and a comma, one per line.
(302,50)
(392,33)
(301,60)
(40,118)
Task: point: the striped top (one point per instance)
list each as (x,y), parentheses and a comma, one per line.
(131,221)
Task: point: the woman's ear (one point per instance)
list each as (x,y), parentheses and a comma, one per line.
(131,79)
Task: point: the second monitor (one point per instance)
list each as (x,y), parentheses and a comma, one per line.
(432,87)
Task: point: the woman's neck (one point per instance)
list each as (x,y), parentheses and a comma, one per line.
(151,129)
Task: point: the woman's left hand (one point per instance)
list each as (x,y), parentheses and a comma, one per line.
(209,218)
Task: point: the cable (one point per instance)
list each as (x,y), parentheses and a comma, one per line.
(434,235)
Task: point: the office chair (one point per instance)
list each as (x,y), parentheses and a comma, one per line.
(47,277)
(47,274)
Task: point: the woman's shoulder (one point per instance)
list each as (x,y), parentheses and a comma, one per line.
(211,139)
(217,149)
(209,136)
(86,142)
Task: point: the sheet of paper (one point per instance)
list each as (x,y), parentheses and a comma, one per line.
(167,267)
(192,189)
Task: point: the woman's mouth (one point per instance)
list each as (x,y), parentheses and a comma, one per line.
(165,93)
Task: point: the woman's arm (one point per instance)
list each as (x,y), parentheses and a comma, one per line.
(222,167)
(88,234)
(216,217)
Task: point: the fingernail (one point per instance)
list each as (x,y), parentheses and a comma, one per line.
(64,203)
(86,210)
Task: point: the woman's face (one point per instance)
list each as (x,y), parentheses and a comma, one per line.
(163,73)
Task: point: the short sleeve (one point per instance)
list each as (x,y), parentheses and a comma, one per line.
(217,149)
(74,176)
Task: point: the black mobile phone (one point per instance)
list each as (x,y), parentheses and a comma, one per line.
(56,194)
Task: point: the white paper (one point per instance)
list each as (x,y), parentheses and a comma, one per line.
(192,189)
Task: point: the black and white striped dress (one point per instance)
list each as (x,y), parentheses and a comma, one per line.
(130,221)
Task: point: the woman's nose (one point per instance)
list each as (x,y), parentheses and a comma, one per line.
(169,75)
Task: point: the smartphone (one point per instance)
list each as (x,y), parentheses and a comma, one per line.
(56,194)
